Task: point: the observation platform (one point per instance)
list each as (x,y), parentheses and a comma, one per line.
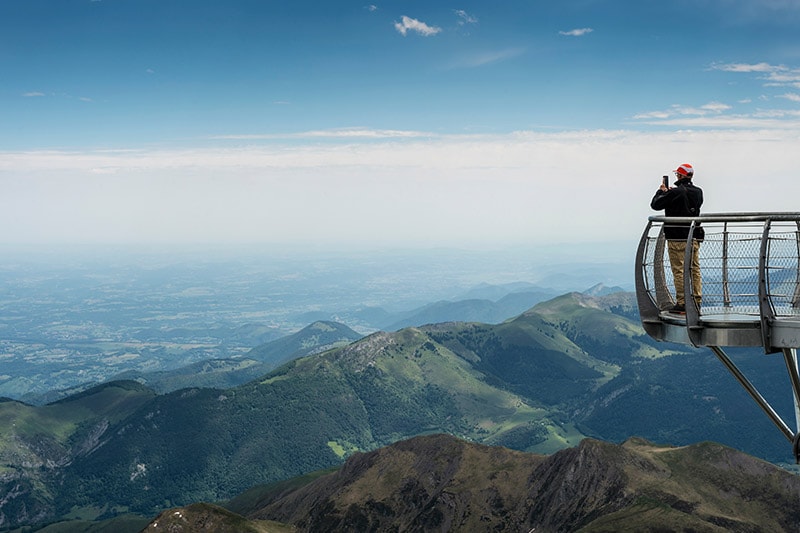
(750,288)
(750,282)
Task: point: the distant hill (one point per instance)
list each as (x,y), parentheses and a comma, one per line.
(314,338)
(495,292)
(224,373)
(371,317)
(568,368)
(488,303)
(602,290)
(212,373)
(440,483)
(511,300)
(248,334)
(474,310)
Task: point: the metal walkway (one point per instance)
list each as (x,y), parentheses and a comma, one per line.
(750,292)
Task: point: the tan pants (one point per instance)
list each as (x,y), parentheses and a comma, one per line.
(677,254)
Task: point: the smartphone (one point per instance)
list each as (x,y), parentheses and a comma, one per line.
(665,181)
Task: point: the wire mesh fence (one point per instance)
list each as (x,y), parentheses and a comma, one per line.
(740,272)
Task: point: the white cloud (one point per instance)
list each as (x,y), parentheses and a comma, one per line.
(722,115)
(784,78)
(773,75)
(522,187)
(408,24)
(714,107)
(772,120)
(746,67)
(465,18)
(32,94)
(653,115)
(711,108)
(577,32)
(716,115)
(372,8)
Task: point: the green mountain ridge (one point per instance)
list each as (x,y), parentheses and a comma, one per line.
(572,367)
(37,443)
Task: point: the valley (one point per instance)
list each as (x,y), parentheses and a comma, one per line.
(76,316)
(225,406)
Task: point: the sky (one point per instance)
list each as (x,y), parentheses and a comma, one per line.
(397,123)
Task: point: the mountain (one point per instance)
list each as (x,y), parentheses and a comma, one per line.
(501,384)
(568,368)
(511,301)
(470,310)
(483,303)
(602,290)
(369,317)
(692,397)
(440,483)
(314,338)
(212,518)
(118,524)
(496,292)
(211,373)
(37,443)
(224,373)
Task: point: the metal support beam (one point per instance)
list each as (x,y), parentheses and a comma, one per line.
(753,392)
(790,357)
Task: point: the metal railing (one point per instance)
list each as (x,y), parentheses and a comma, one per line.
(748,267)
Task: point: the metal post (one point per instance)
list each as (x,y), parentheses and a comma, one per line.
(663,293)
(726,291)
(766,310)
(796,295)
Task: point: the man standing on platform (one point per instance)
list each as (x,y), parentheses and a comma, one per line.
(682,200)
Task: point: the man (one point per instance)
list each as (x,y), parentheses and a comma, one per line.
(682,200)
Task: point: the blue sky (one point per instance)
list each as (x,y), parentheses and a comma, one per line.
(407,122)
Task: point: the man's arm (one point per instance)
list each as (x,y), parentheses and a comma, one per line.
(660,200)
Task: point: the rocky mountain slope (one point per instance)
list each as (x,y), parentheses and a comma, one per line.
(440,483)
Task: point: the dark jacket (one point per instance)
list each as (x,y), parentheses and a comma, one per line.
(683,200)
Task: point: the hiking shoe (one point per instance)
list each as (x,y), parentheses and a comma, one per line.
(677,309)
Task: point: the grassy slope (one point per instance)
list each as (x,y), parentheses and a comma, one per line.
(303,417)
(31,435)
(515,384)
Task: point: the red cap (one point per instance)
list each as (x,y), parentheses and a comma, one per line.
(685,170)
